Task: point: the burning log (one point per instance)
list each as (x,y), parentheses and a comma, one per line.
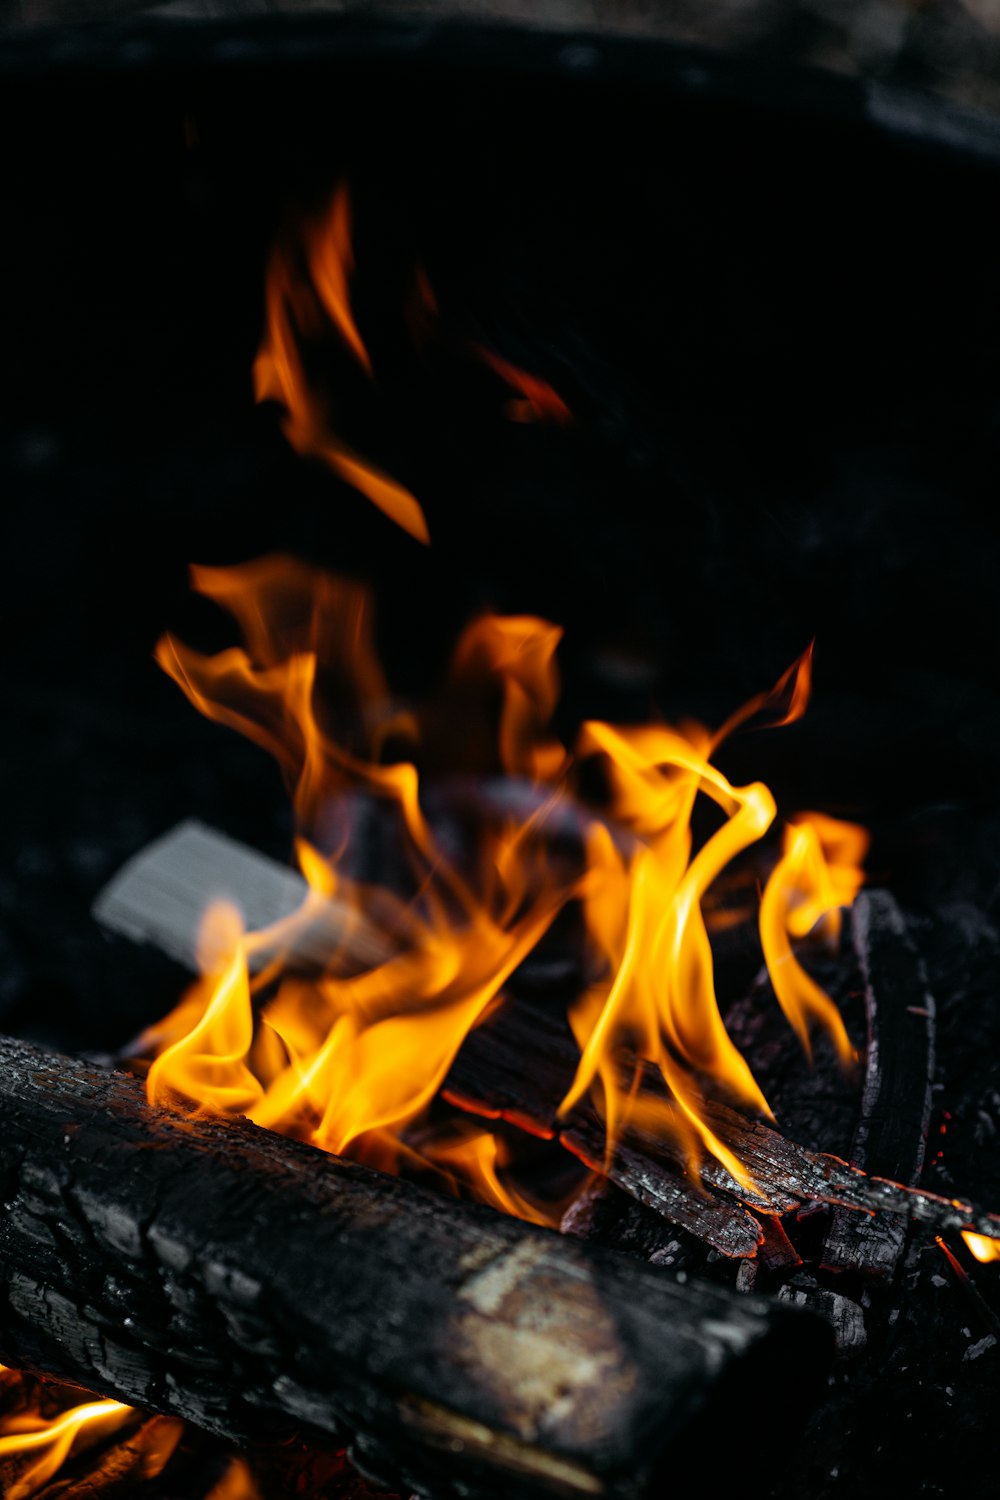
(159,898)
(488,1077)
(896,1103)
(787,1176)
(216,1271)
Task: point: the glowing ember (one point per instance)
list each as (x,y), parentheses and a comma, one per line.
(982,1248)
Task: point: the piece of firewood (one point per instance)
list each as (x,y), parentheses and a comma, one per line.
(899,1069)
(217,1271)
(489,1078)
(786,1175)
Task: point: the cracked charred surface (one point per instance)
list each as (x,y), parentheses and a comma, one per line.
(252,1284)
(891,1136)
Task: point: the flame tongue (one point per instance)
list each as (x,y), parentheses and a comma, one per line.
(352,1061)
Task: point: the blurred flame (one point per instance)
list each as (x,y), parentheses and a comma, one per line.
(307,289)
(237,1483)
(537,402)
(981,1246)
(350,1061)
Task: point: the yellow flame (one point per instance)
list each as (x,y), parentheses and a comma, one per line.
(351,1059)
(477,1158)
(818,872)
(981,1246)
(26,1433)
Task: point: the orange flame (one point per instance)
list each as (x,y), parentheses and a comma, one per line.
(537,402)
(237,1483)
(477,1158)
(307,290)
(983,1248)
(351,1060)
(46,1442)
(818,873)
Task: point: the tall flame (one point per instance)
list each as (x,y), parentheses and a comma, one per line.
(349,1056)
(307,292)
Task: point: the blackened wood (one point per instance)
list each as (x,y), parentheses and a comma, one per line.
(219,1272)
(843,1314)
(891,1137)
(789,1175)
(490,1077)
(605,1215)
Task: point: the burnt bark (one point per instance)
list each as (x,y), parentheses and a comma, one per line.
(891,1137)
(489,1078)
(252,1284)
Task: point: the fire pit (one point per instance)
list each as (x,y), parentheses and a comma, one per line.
(593,382)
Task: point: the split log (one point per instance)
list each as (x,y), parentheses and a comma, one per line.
(896,1103)
(219,1272)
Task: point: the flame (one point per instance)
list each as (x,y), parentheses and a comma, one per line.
(352,1057)
(237,1483)
(40,1443)
(818,873)
(476,1158)
(983,1248)
(307,291)
(537,402)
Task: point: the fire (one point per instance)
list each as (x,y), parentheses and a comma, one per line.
(36,1443)
(353,1054)
(307,294)
(982,1248)
(535,399)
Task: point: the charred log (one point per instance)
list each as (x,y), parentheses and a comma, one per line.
(216,1271)
(488,1078)
(896,1103)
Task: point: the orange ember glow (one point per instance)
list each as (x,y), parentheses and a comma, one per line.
(982,1248)
(351,1051)
(307,295)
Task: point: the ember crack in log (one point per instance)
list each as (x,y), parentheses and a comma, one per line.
(896,1103)
(220,1272)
